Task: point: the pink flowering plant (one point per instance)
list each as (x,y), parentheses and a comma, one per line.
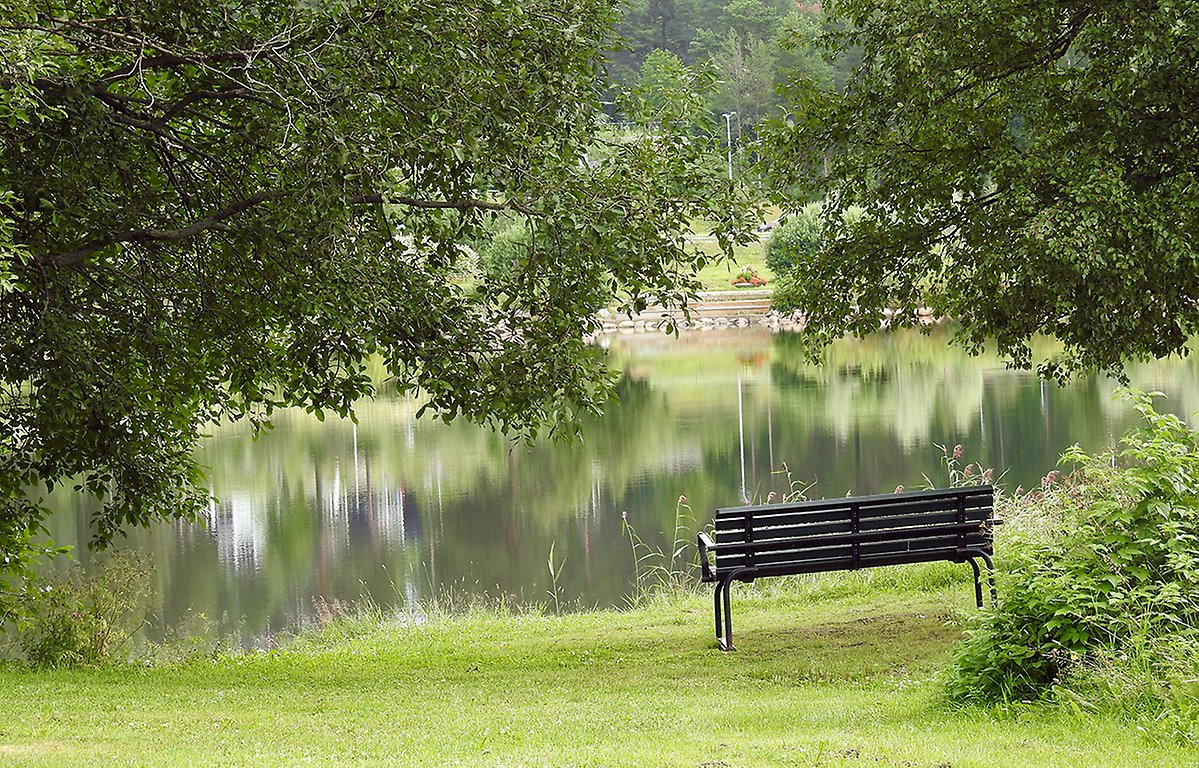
(960,475)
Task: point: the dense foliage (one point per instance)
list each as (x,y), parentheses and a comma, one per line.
(211,210)
(1025,168)
(1102,566)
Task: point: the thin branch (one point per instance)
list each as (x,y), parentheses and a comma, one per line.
(1045,54)
(464,204)
(78,255)
(73,257)
(232,93)
(170,61)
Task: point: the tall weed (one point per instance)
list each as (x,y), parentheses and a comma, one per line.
(86,618)
(656,571)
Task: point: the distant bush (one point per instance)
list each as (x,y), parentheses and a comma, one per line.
(88,619)
(509,246)
(795,240)
(801,237)
(1098,577)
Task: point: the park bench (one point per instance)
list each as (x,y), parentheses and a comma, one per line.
(845,535)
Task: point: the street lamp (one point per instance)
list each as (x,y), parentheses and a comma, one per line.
(728,132)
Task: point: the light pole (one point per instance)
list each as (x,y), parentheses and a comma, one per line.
(728,132)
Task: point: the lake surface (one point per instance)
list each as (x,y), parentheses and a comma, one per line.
(406,511)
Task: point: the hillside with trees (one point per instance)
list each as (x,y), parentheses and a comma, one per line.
(750,47)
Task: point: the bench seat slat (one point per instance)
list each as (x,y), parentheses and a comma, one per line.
(846,563)
(845,526)
(930,546)
(797,515)
(983,494)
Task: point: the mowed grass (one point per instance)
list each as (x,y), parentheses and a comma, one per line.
(718,276)
(835,676)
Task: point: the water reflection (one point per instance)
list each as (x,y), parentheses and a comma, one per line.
(402,510)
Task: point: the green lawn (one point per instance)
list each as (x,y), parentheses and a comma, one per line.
(719,276)
(831,677)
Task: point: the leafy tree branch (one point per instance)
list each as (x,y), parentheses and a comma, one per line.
(1024,168)
(266,199)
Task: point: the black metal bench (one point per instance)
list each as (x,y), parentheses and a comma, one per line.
(845,535)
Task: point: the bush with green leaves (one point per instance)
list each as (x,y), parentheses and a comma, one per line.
(797,239)
(84,618)
(1099,570)
(507,247)
(24,548)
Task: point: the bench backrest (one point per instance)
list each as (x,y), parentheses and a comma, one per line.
(855,532)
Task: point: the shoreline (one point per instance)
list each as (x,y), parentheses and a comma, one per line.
(725,309)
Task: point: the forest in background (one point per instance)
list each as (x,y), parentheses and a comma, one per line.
(749,47)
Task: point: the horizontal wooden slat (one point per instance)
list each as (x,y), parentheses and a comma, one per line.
(791,514)
(843,526)
(846,563)
(974,493)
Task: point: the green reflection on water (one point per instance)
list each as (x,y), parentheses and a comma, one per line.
(402,510)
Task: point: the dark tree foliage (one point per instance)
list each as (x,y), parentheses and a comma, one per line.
(212,209)
(1025,168)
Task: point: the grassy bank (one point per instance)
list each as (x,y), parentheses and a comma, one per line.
(719,275)
(838,671)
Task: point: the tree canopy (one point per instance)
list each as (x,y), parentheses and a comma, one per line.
(209,210)
(1024,168)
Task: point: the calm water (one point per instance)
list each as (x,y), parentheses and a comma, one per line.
(404,510)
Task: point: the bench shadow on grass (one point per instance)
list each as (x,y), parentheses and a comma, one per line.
(904,644)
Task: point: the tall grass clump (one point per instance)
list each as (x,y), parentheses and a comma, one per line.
(1098,580)
(82,618)
(657,571)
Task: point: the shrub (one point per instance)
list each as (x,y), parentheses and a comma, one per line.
(27,548)
(88,619)
(1101,565)
(509,246)
(794,241)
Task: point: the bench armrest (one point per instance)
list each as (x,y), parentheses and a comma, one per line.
(705,544)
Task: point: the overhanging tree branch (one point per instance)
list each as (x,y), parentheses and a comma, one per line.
(1037,57)
(73,257)
(464,204)
(80,254)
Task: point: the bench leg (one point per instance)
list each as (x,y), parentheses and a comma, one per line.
(978,590)
(716,606)
(724,618)
(727,643)
(978,585)
(723,611)
(991,578)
